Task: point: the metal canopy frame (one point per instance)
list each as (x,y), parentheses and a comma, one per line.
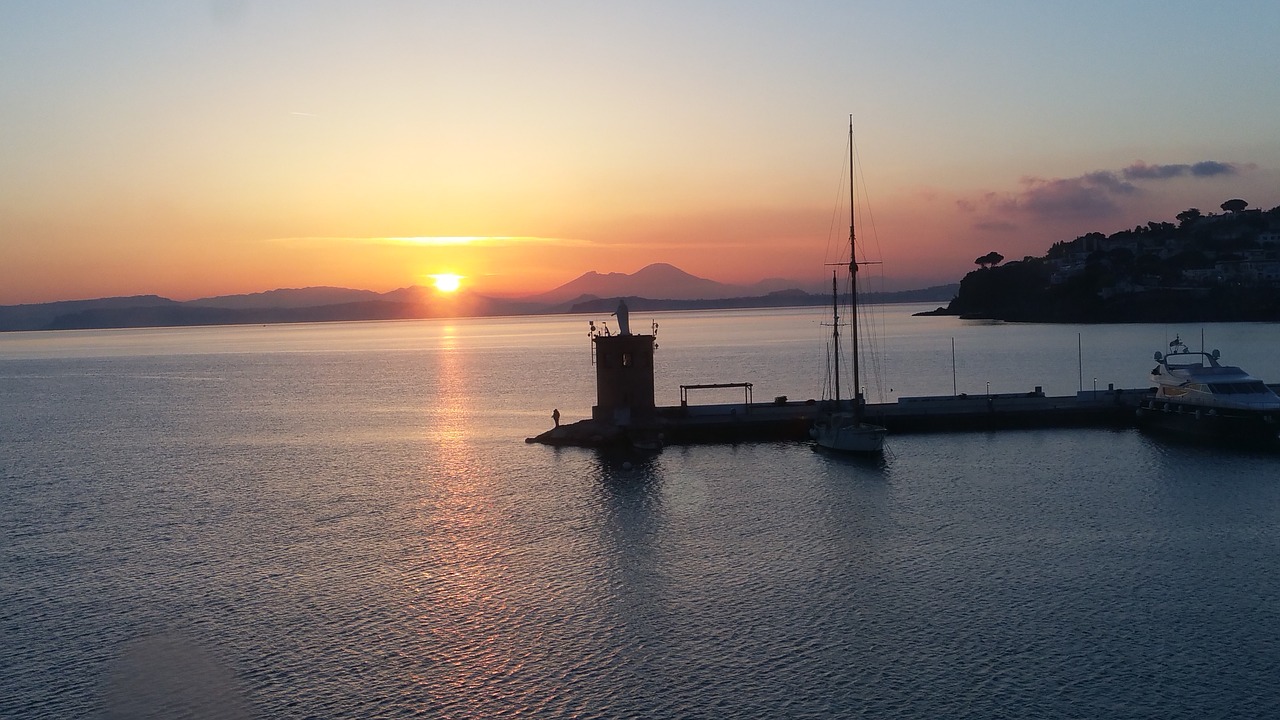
(746,386)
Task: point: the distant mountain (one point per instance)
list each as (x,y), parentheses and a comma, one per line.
(772,285)
(780,298)
(191,315)
(463,303)
(38,316)
(277,306)
(289,298)
(658,280)
(662,280)
(592,292)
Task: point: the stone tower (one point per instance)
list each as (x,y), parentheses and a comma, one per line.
(624,378)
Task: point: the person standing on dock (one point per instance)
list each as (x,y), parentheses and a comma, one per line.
(555,416)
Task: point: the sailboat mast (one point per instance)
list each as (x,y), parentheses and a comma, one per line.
(835,336)
(853,280)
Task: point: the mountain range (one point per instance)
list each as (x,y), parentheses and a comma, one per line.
(659,280)
(656,287)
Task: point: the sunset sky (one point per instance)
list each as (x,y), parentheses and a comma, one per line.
(190,149)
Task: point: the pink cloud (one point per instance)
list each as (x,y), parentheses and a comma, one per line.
(1095,195)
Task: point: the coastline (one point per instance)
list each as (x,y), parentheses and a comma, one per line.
(155,311)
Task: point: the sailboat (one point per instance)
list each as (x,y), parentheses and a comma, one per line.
(840,428)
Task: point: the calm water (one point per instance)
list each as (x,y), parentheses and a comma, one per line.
(344,521)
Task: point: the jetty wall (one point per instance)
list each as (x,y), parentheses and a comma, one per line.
(790,420)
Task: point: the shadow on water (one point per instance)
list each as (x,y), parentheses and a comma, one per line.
(635,582)
(626,465)
(629,487)
(1177,449)
(857,490)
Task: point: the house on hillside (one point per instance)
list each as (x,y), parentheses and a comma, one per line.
(1205,276)
(1063,271)
(1250,272)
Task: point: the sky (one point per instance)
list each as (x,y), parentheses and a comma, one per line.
(199,148)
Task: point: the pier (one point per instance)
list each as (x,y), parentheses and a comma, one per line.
(784,419)
(625,414)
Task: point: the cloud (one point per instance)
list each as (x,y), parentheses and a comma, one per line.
(1092,195)
(1208,168)
(1111,182)
(1097,194)
(995,226)
(1143,171)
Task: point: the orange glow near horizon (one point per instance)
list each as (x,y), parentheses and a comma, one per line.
(922,238)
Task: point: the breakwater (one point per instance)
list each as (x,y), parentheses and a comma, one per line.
(782,419)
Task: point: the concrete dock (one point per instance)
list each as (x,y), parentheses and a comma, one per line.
(626,416)
(791,420)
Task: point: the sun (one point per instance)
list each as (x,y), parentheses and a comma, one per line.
(447,282)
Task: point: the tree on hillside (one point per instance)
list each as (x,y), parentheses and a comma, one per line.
(1003,292)
(992,259)
(1188,216)
(1234,205)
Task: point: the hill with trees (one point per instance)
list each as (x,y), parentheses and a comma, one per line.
(1203,267)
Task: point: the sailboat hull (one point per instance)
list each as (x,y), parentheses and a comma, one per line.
(845,434)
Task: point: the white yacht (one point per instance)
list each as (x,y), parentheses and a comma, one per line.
(1196,394)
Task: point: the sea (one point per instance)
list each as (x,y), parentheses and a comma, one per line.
(345,521)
